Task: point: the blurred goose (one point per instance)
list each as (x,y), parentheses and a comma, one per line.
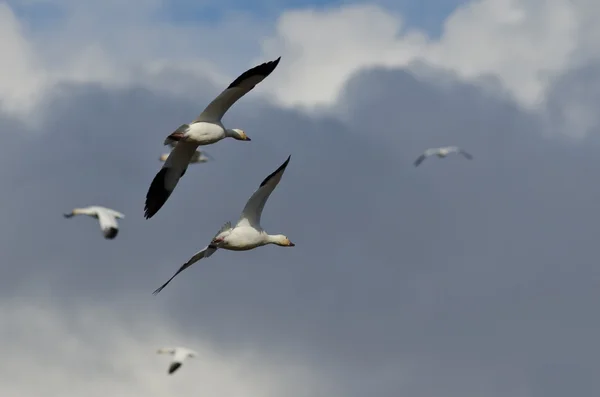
(179,355)
(198,156)
(106,217)
(441,152)
(247,233)
(204,130)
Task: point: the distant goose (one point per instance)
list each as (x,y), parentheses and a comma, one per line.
(106,217)
(442,152)
(198,156)
(179,355)
(204,130)
(247,233)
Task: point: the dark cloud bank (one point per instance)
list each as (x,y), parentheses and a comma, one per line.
(456,278)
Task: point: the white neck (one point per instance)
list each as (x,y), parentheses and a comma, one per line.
(276,239)
(82,211)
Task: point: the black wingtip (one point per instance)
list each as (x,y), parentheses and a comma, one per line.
(264,69)
(111,233)
(174,367)
(157,194)
(278,170)
(419,160)
(156,291)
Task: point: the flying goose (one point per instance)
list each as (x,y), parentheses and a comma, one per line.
(247,233)
(198,156)
(179,355)
(441,152)
(106,217)
(204,130)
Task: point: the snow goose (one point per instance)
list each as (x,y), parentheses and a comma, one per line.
(198,156)
(106,217)
(179,355)
(441,152)
(247,233)
(204,130)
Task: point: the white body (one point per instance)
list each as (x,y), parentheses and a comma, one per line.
(247,233)
(205,133)
(107,218)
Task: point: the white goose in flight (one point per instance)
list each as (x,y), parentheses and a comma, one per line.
(198,156)
(204,130)
(106,217)
(247,233)
(441,152)
(179,355)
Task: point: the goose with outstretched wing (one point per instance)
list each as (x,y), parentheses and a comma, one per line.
(105,216)
(204,130)
(247,233)
(180,354)
(442,152)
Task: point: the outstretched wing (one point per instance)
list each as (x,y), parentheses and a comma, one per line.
(167,178)
(205,253)
(114,213)
(225,227)
(174,367)
(467,155)
(254,207)
(240,87)
(420,159)
(425,154)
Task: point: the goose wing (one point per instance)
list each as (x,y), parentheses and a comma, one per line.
(425,154)
(465,154)
(174,367)
(114,213)
(167,178)
(240,87)
(253,209)
(205,253)
(456,149)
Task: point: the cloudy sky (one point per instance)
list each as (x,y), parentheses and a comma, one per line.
(455,279)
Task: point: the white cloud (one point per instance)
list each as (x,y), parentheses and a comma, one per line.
(522,42)
(21,77)
(525,44)
(134,47)
(94,351)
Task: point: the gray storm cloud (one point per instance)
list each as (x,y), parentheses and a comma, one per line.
(456,278)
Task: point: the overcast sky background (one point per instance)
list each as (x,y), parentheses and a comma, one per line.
(456,278)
